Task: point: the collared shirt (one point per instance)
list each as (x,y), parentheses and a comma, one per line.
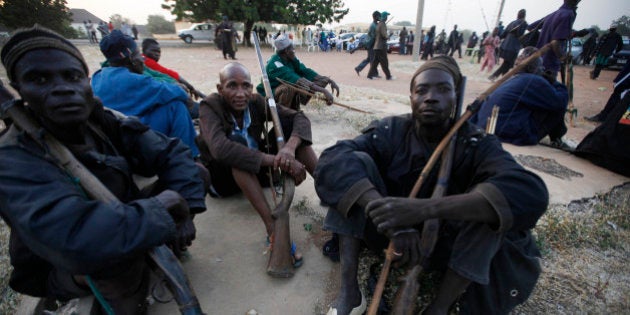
(242,132)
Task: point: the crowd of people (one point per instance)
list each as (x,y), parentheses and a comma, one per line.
(135,116)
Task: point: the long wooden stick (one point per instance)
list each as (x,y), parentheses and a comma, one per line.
(317,96)
(473,108)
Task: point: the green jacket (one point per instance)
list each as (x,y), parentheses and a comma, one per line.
(371,35)
(286,70)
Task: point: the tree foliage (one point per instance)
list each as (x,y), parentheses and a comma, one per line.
(53,14)
(623,25)
(403,23)
(157,24)
(117,20)
(307,12)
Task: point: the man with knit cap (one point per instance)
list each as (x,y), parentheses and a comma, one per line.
(62,240)
(123,87)
(485,247)
(284,65)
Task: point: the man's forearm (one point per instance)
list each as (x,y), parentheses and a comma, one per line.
(464,207)
(293,143)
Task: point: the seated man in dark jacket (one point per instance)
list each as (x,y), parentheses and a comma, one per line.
(233,145)
(485,246)
(62,240)
(531,106)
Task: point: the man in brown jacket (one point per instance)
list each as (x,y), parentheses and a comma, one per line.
(380,49)
(233,146)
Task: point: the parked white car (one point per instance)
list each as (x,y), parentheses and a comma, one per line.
(202,31)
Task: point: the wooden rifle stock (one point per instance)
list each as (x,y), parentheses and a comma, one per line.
(161,257)
(280,259)
(471,110)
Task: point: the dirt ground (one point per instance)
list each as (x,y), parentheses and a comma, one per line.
(227,261)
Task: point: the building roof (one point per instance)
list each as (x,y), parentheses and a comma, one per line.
(80,15)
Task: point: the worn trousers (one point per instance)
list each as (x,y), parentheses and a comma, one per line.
(380,57)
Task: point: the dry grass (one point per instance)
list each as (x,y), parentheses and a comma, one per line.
(585,248)
(8,298)
(586,251)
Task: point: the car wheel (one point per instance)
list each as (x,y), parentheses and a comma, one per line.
(188,39)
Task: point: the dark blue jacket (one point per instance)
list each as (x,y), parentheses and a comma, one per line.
(55,225)
(519,99)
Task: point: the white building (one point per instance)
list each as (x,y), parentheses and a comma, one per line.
(80,15)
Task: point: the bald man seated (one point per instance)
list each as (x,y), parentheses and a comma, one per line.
(233,142)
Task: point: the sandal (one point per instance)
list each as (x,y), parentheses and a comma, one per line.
(331,248)
(298,260)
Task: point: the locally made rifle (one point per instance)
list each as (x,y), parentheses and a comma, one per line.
(431,232)
(161,257)
(317,96)
(280,259)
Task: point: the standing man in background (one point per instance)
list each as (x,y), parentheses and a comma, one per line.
(557,26)
(226,31)
(510,45)
(380,49)
(452,41)
(402,41)
(609,43)
(410,40)
(369,44)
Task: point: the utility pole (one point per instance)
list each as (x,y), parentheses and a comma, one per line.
(500,12)
(417,38)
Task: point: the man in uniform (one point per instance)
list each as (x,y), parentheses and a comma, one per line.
(62,240)
(492,203)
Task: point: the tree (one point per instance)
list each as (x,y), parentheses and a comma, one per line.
(117,20)
(597,29)
(52,14)
(403,23)
(157,24)
(623,25)
(252,11)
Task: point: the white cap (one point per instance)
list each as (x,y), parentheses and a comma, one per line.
(282,42)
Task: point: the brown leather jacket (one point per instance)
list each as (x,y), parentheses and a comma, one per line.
(215,122)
